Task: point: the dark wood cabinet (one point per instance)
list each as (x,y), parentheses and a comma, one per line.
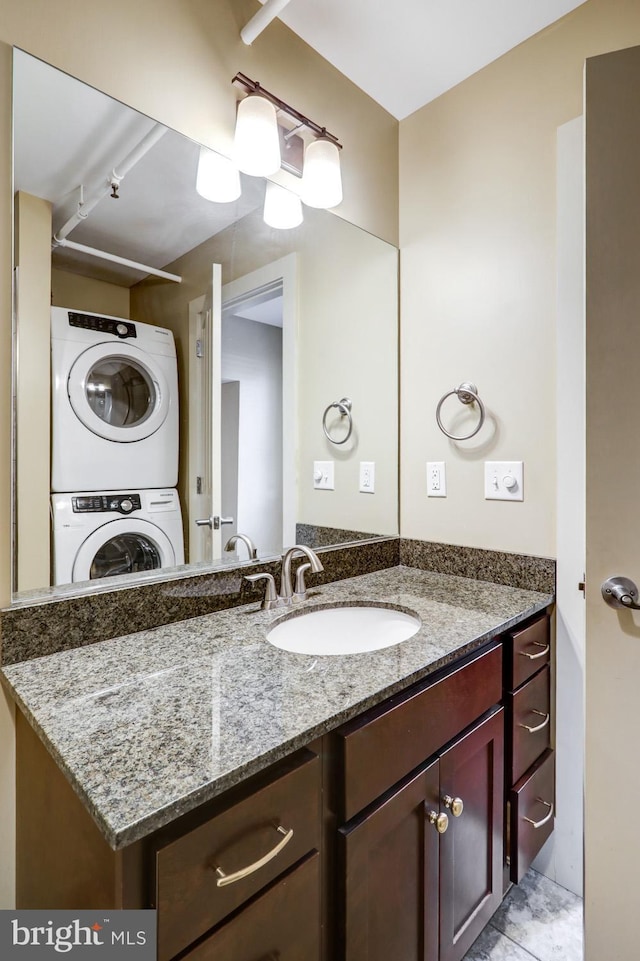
(281,923)
(203,875)
(410,891)
(471,855)
(389,859)
(344,839)
(530,765)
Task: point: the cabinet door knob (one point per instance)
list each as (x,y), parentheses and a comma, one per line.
(455,805)
(440,821)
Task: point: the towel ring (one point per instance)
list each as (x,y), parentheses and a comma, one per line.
(344,406)
(466,394)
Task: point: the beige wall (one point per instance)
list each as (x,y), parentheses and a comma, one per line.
(477,233)
(347,346)
(84,293)
(175,62)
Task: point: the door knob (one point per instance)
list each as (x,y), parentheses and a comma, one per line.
(439,821)
(620,592)
(213,523)
(454,804)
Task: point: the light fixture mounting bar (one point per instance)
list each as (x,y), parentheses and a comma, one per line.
(252,86)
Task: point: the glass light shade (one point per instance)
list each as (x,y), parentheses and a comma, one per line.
(218,178)
(282,208)
(256,148)
(321,178)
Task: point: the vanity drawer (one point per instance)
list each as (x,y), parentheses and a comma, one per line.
(532,804)
(381,746)
(282,816)
(282,923)
(529,715)
(529,650)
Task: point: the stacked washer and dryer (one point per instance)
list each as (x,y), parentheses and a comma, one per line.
(114,469)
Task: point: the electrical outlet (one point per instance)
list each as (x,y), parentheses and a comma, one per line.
(323,475)
(503,480)
(436,479)
(367,477)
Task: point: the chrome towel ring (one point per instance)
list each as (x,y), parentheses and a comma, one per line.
(344,406)
(466,394)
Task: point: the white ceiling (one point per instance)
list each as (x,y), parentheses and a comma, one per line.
(404,53)
(67,134)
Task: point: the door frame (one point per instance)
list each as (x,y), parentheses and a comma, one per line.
(283,270)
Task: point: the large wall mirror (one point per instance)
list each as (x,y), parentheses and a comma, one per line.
(177,360)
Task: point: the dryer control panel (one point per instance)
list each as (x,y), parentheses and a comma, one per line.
(104,325)
(106,503)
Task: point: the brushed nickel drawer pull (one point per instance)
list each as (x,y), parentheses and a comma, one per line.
(538,824)
(224,879)
(538,727)
(534,657)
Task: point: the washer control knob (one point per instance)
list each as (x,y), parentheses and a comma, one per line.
(126,505)
(122,330)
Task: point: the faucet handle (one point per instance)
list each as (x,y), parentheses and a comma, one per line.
(270,598)
(300,589)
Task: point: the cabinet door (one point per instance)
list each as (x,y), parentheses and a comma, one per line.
(471,849)
(390,861)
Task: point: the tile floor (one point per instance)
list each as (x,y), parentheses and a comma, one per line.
(537,920)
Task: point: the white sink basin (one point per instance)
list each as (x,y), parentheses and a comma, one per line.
(344,630)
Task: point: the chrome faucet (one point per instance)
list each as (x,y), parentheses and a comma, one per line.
(248,543)
(288,595)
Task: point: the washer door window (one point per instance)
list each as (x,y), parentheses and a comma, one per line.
(123,547)
(118,392)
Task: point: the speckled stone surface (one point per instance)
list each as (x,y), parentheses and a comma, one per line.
(60,623)
(500,567)
(148,726)
(314,536)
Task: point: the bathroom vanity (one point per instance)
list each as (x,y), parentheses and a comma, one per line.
(272,804)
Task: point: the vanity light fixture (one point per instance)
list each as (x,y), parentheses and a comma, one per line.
(256,147)
(321,179)
(218,178)
(282,208)
(255,151)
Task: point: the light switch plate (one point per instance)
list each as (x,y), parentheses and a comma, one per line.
(367,477)
(503,480)
(436,479)
(323,475)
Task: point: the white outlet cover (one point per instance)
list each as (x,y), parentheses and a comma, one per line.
(436,478)
(504,480)
(367,477)
(323,475)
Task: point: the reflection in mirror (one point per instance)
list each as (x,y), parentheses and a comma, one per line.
(175,357)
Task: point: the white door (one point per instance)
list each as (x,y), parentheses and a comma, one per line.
(205,471)
(612,825)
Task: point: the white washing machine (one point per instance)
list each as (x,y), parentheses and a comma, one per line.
(106,533)
(114,403)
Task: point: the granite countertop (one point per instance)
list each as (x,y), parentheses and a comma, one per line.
(150,725)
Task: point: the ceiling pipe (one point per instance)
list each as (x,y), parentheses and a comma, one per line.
(119,172)
(262,19)
(114,258)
